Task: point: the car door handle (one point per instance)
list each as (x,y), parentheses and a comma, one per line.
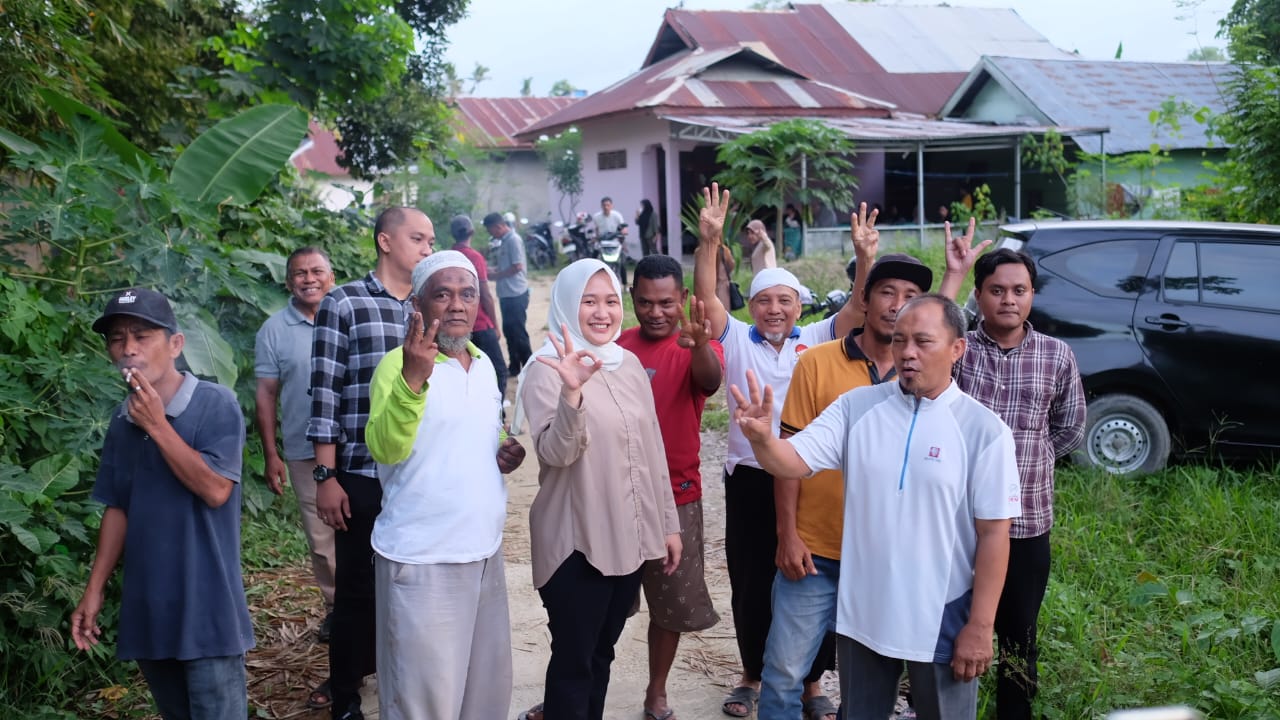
(1168,322)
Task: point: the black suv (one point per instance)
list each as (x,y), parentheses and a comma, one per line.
(1176,328)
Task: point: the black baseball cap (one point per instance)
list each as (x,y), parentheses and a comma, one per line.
(900,266)
(140,303)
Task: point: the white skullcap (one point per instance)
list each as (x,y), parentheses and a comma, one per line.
(437,261)
(772,277)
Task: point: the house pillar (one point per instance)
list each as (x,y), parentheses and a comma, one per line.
(920,192)
(671,169)
(1017,179)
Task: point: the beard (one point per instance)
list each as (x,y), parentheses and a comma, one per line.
(450,345)
(774,338)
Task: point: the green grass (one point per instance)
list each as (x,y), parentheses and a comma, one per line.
(1164,590)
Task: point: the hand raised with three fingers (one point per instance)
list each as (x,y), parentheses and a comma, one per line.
(863,232)
(695,330)
(420,351)
(754,413)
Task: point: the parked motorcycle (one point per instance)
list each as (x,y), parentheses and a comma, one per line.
(614,254)
(580,240)
(538,247)
(829,305)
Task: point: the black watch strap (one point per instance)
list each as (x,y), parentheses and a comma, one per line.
(323,472)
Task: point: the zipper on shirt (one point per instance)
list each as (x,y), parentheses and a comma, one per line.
(906,454)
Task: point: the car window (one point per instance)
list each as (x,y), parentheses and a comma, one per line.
(1182,274)
(1240,274)
(1114,268)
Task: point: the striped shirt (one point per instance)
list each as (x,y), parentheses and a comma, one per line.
(356,325)
(1035,388)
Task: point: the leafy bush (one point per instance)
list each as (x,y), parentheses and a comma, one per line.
(78,223)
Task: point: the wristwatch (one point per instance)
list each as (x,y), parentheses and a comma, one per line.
(322,473)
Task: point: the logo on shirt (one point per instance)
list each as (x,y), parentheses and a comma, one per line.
(651,372)
(935,454)
(800,347)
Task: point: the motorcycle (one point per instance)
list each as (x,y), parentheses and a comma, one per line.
(579,240)
(614,254)
(827,306)
(538,248)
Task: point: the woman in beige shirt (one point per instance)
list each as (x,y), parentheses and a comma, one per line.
(604,505)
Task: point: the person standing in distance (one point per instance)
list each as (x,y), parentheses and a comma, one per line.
(512,284)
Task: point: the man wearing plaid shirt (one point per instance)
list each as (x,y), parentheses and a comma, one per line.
(355,326)
(1030,380)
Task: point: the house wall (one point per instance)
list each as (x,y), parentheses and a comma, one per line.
(514,181)
(639,137)
(994,104)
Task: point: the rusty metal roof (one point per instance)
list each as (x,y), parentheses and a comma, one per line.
(745,78)
(493,122)
(1117,94)
(320,153)
(910,56)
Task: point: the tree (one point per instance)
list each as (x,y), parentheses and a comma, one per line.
(563,156)
(1208,53)
(797,160)
(1251,123)
(526,87)
(562,88)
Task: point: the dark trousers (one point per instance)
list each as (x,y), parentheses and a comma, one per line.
(352,642)
(1016,625)
(487,341)
(750,547)
(586,611)
(514,315)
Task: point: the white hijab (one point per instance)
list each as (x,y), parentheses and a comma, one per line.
(566,300)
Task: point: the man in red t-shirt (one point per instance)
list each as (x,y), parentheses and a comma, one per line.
(485,335)
(685,366)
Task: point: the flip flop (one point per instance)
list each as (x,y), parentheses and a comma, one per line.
(321,697)
(655,716)
(526,714)
(745,696)
(818,707)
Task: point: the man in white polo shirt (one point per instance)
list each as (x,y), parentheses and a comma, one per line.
(770,347)
(441,452)
(934,469)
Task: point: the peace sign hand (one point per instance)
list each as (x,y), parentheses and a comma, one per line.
(863,232)
(961,253)
(711,216)
(754,415)
(695,330)
(573,372)
(420,351)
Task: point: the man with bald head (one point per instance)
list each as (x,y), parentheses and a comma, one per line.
(435,429)
(770,346)
(934,469)
(355,326)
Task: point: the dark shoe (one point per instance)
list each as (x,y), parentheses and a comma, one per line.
(352,713)
(326,627)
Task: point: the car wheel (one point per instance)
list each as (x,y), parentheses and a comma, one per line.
(1124,434)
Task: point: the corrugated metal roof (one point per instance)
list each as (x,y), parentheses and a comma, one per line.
(494,122)
(913,57)
(1118,94)
(939,39)
(743,78)
(901,131)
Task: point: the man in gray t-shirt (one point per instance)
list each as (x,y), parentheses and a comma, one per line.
(282,364)
(512,285)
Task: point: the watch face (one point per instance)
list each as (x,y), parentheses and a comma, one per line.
(321,473)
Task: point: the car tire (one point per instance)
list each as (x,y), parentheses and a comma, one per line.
(1124,435)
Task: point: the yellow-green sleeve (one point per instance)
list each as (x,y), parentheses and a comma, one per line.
(395,411)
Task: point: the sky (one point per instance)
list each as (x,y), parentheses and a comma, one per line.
(594,43)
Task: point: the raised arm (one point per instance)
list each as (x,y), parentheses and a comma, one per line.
(705,364)
(707,255)
(754,415)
